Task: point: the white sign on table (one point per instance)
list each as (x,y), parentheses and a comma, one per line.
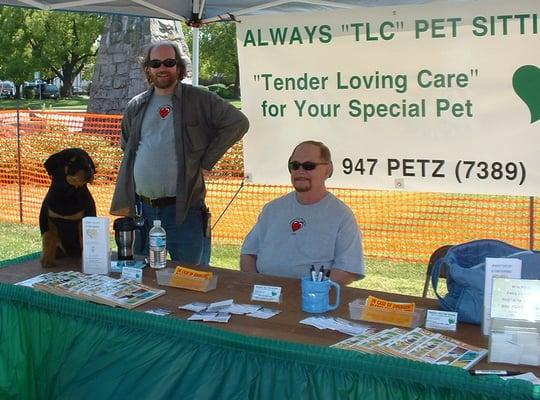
(516,299)
(497,268)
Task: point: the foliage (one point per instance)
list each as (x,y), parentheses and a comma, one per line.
(16,61)
(55,43)
(222,90)
(218,54)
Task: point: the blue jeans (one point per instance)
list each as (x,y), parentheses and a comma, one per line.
(186,242)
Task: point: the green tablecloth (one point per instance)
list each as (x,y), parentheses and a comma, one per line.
(53,347)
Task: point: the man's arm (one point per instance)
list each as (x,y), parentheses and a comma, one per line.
(124,131)
(125,125)
(230,125)
(248,263)
(343,278)
(349,259)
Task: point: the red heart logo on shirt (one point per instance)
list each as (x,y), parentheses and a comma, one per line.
(297,224)
(164,111)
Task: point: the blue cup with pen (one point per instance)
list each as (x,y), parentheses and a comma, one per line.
(316,295)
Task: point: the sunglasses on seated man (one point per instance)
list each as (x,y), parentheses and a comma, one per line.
(308,165)
(169,62)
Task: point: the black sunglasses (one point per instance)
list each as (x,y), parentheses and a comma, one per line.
(169,62)
(308,165)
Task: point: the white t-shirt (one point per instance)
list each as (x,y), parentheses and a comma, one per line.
(156,165)
(290,237)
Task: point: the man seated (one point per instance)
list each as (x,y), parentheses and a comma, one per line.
(307,227)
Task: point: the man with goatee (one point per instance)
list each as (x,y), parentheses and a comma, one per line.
(307,227)
(172,136)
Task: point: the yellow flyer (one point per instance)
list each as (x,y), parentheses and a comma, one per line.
(190,279)
(375,302)
(388,312)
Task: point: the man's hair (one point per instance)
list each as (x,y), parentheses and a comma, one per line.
(180,66)
(325,151)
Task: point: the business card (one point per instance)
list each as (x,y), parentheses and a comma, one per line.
(441,320)
(266,293)
(135,274)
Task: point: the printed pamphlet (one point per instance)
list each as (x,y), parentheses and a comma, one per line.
(418,344)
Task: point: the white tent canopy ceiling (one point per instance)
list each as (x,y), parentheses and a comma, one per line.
(198,11)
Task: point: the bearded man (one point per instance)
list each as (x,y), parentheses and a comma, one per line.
(172,136)
(307,229)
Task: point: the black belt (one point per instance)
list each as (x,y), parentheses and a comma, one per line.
(161,202)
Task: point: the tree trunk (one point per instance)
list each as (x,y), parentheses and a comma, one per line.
(67,80)
(236,80)
(118,76)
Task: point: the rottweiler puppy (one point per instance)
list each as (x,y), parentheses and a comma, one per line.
(66,203)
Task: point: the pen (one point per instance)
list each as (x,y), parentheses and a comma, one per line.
(313,274)
(321,274)
(496,372)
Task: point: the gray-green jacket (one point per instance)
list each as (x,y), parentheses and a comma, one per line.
(207,126)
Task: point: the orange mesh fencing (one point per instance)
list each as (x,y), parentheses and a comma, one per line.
(401,226)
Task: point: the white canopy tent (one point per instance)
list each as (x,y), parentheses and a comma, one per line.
(198,12)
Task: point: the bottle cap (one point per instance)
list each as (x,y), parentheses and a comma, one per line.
(157,222)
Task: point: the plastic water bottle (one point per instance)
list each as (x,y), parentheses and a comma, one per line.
(158,248)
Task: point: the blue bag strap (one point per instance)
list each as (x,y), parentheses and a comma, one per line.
(435,275)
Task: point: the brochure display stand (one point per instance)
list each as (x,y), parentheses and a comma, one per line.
(406,315)
(514,341)
(186,278)
(514,336)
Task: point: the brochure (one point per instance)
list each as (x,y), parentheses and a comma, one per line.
(220,311)
(118,265)
(418,344)
(336,324)
(97,288)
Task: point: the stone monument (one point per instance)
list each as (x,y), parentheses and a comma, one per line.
(118,75)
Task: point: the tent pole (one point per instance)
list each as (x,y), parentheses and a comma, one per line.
(531,222)
(195,57)
(19,158)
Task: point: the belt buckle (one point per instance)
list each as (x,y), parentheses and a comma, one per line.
(155,203)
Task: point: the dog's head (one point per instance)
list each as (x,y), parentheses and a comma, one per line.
(72,166)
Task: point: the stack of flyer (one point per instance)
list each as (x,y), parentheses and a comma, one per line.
(418,344)
(97,288)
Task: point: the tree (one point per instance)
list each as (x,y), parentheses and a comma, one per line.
(56,43)
(16,62)
(218,53)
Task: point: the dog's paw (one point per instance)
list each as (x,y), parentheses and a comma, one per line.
(48,262)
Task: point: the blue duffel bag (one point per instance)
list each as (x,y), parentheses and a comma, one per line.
(465,274)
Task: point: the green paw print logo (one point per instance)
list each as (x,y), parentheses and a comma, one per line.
(526,83)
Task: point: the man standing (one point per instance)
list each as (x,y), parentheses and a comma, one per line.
(307,227)
(172,135)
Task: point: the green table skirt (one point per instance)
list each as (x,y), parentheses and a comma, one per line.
(54,347)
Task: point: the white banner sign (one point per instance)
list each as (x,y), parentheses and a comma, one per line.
(441,97)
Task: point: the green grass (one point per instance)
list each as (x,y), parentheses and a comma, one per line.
(79,103)
(18,240)
(75,103)
(236,102)
(406,278)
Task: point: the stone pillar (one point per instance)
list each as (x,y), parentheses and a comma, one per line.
(118,75)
